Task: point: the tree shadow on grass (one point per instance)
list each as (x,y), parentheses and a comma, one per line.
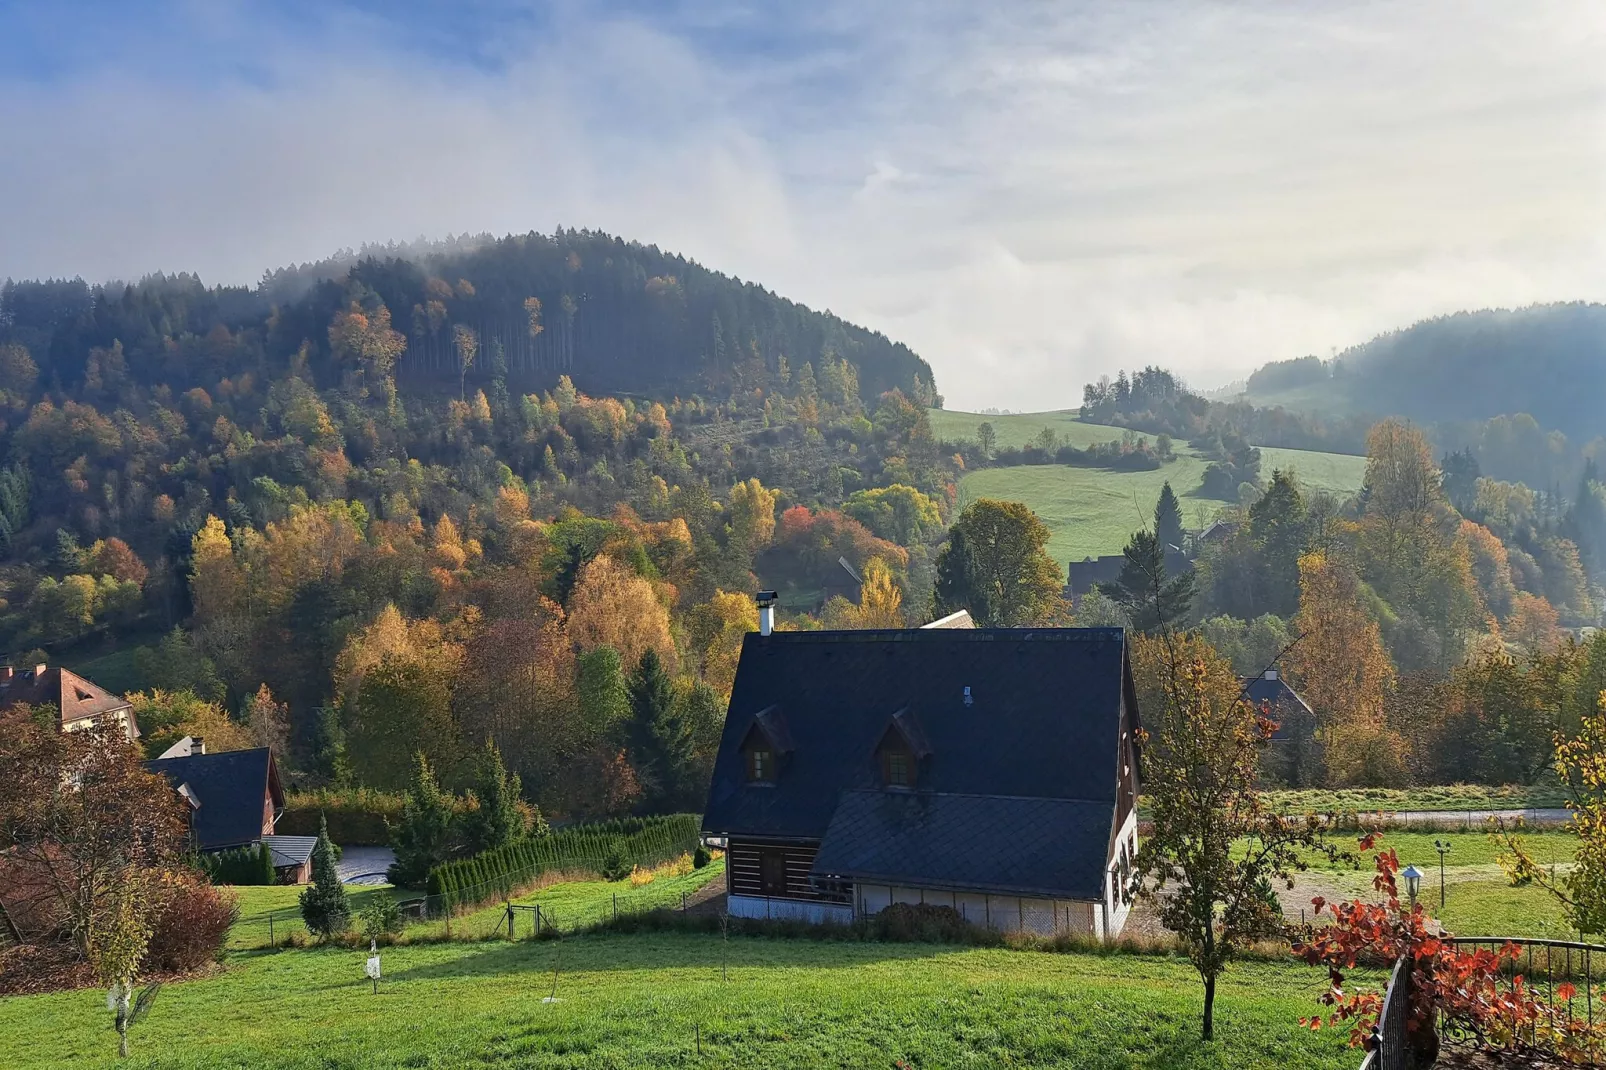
(623,952)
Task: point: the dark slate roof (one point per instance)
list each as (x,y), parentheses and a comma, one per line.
(1273,691)
(230,787)
(290,850)
(985,843)
(1044,719)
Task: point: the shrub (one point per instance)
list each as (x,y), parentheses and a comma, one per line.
(919,923)
(380,917)
(614,865)
(700,857)
(191,927)
(241,865)
(356,816)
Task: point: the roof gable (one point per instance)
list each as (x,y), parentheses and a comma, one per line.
(1041,718)
(74,697)
(231,788)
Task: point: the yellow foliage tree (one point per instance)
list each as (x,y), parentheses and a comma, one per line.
(715,630)
(612,606)
(752,515)
(1534,624)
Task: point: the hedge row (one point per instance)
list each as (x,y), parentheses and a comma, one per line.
(239,865)
(356,816)
(610,848)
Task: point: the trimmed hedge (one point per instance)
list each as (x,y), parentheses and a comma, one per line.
(624,842)
(239,865)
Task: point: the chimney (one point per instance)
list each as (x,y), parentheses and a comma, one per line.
(6,673)
(1271,674)
(38,671)
(197,745)
(766,612)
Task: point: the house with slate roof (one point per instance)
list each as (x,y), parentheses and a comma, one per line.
(992,771)
(234,798)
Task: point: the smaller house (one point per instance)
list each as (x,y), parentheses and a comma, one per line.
(81,703)
(1270,692)
(292,857)
(1086,575)
(235,798)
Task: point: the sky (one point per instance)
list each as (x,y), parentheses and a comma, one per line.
(1030,194)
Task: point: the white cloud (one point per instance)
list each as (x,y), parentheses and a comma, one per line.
(1030,195)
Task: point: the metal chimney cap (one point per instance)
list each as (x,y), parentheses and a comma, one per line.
(767,598)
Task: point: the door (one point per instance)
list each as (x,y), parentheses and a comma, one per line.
(772,873)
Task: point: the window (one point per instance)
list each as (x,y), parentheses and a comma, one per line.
(761,765)
(772,873)
(897,768)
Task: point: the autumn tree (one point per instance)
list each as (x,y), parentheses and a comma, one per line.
(268,721)
(1216,849)
(612,606)
(79,848)
(466,344)
(165,717)
(752,516)
(995,566)
(1340,667)
(715,630)
(403,706)
(366,337)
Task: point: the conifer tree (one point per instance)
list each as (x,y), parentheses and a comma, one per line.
(323,903)
(423,838)
(660,739)
(1168,518)
(497,820)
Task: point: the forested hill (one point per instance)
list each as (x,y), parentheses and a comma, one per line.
(615,316)
(1548,361)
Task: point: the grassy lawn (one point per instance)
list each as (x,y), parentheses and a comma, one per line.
(1093,511)
(640,1001)
(1017,429)
(1448,797)
(257,902)
(1466,849)
(1492,907)
(572,904)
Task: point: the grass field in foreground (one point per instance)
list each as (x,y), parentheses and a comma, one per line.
(640,1001)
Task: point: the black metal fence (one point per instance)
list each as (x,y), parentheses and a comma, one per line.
(1389,1050)
(1559,974)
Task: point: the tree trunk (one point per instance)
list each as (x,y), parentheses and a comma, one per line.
(1210,1008)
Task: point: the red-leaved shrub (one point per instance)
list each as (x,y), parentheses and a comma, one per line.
(192,925)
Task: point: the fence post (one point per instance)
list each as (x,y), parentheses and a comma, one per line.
(510,921)
(615,906)
(683,902)
(538,919)
(270,928)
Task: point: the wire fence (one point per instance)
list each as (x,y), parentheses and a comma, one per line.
(545,899)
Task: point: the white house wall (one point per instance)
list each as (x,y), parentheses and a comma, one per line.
(752,906)
(1004,913)
(1114,911)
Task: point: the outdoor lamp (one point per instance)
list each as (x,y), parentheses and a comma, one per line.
(1413,881)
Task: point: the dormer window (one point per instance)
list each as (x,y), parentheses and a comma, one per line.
(897,768)
(760,765)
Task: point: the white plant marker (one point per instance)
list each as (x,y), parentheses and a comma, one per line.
(372,969)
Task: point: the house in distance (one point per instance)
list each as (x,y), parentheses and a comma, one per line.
(991,771)
(81,703)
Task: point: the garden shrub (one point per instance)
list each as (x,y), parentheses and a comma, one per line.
(700,857)
(191,926)
(919,923)
(380,916)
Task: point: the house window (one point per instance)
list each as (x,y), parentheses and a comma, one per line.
(761,765)
(897,768)
(772,873)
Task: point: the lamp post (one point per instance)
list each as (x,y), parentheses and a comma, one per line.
(1413,882)
(1443,847)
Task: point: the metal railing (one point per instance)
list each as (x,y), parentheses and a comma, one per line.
(1542,967)
(1389,1050)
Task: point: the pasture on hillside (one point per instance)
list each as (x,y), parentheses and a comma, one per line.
(1093,511)
(650,1000)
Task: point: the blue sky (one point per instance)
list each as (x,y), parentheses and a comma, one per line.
(1030,194)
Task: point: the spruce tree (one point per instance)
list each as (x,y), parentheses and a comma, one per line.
(323,903)
(1168,518)
(497,821)
(423,837)
(265,873)
(660,740)
(1152,599)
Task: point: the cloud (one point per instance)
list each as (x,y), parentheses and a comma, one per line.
(1029,195)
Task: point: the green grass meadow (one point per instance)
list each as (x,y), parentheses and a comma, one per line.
(1093,511)
(649,1000)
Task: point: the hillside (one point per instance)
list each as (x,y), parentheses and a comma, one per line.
(1093,511)
(615,316)
(1545,360)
